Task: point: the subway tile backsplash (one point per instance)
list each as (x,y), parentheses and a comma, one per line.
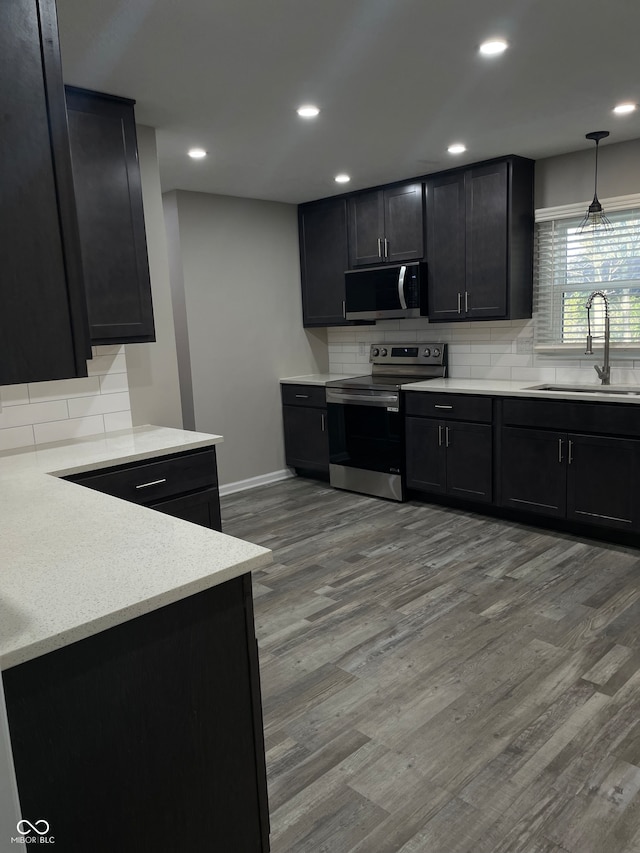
(40,412)
(500,349)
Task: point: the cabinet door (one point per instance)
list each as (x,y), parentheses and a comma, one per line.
(323,261)
(486,241)
(201,508)
(602,481)
(469,460)
(154,722)
(445,247)
(366,228)
(533,470)
(106,176)
(403,224)
(43,332)
(425,454)
(305,438)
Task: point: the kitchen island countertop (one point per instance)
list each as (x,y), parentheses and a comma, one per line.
(77,561)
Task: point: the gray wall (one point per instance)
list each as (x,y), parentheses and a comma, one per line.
(154,387)
(236,283)
(569,178)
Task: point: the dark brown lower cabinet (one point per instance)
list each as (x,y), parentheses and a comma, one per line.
(305,438)
(304,416)
(148,736)
(200,508)
(585,478)
(184,485)
(533,476)
(449,457)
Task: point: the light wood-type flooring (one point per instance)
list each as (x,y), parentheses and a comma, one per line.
(435,681)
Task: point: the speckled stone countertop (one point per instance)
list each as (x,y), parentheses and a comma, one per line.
(75,561)
(515,388)
(321,378)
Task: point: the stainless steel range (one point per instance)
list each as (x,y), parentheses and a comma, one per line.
(366,418)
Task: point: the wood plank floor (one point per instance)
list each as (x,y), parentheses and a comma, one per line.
(435,681)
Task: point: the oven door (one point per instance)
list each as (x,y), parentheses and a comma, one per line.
(366,441)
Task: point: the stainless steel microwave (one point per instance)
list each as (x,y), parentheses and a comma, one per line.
(386,292)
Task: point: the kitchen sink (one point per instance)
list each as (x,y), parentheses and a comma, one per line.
(625,390)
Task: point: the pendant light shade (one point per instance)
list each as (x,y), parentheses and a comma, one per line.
(595,216)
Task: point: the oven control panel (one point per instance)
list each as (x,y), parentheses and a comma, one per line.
(434,354)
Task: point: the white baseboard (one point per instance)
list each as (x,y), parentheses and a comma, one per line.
(254,482)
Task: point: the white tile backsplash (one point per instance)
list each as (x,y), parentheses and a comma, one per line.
(497,349)
(39,412)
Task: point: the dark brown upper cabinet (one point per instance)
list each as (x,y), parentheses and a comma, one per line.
(322,227)
(43,331)
(480,242)
(108,190)
(386,225)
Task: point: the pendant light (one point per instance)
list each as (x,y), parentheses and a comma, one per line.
(595,216)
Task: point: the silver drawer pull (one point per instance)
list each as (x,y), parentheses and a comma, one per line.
(152,483)
(436,406)
(302,396)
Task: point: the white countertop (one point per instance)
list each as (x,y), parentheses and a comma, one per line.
(320,378)
(75,561)
(518,388)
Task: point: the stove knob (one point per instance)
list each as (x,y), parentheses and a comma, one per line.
(383,351)
(375,352)
(435,352)
(426,352)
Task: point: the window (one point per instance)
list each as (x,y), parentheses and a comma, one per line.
(571,264)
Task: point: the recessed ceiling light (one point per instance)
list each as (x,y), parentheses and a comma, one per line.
(197,153)
(342,179)
(493,47)
(308,111)
(457,148)
(623,109)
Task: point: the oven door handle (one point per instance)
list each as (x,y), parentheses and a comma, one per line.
(382,400)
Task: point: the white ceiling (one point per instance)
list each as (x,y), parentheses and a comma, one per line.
(397,81)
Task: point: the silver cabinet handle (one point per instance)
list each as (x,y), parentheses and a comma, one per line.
(459,303)
(446,436)
(323,422)
(386,248)
(570,459)
(344,310)
(559,450)
(302,396)
(152,483)
(466,302)
(439,435)
(379,247)
(438,406)
(401,296)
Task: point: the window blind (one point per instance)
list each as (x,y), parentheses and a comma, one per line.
(570,264)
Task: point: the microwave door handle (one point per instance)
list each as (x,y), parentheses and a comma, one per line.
(401,296)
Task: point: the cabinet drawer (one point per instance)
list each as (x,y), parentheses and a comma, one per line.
(466,407)
(148,482)
(304,395)
(610,419)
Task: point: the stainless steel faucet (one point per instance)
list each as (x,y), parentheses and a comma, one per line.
(603,372)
